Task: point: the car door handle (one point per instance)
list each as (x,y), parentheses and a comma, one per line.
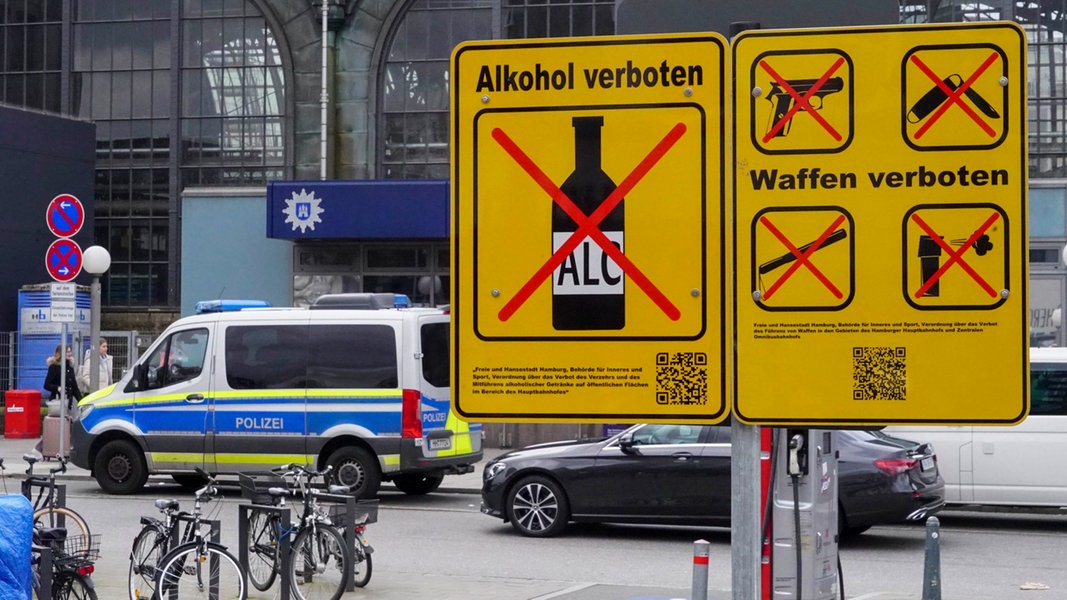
(682,456)
(194,398)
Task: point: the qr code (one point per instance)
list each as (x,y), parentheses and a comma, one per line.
(681,378)
(879,373)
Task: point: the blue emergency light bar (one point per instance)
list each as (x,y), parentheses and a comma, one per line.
(213,306)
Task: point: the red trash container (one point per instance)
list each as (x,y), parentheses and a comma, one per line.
(22,413)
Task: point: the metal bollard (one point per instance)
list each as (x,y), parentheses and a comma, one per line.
(700,569)
(932,563)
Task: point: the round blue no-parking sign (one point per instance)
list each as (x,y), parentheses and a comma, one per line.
(65,215)
(63,260)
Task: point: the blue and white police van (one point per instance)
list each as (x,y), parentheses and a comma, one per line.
(364,390)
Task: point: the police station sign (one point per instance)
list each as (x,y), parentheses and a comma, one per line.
(588,229)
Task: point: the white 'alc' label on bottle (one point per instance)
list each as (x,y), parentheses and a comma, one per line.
(588,269)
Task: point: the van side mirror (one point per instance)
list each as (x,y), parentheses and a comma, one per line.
(137,379)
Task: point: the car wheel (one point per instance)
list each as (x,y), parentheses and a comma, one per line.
(418,485)
(537,507)
(120,467)
(356,468)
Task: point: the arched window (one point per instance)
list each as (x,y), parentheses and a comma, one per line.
(413,130)
(203,109)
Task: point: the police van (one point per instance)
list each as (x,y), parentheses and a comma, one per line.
(363,390)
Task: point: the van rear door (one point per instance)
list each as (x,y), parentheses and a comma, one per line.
(445,435)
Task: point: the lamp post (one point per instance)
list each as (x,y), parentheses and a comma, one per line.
(95,260)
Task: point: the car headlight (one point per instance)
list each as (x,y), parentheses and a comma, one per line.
(84,410)
(492,469)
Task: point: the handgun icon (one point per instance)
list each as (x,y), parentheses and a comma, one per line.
(783,100)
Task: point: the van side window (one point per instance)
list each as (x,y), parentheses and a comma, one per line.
(1048,389)
(178,358)
(435,353)
(266,357)
(330,356)
(352,356)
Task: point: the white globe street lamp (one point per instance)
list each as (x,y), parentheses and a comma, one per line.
(96,260)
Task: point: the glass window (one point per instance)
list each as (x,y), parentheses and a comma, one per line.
(435,354)
(413,128)
(230,129)
(266,357)
(1047,214)
(316,357)
(178,358)
(1048,389)
(659,433)
(352,356)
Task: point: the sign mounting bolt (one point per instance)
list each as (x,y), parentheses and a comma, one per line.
(485,98)
(1004,293)
(688,92)
(1003,81)
(757,92)
(757,295)
(495,293)
(695,293)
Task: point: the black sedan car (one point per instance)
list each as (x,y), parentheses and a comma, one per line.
(680,475)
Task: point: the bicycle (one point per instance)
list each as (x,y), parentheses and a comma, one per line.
(200,568)
(47,509)
(153,542)
(319,560)
(72,564)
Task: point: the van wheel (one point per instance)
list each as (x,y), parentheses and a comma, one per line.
(356,468)
(120,468)
(417,485)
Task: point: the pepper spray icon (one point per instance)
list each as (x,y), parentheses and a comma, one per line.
(588,287)
(930,258)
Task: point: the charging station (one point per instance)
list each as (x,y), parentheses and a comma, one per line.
(804,535)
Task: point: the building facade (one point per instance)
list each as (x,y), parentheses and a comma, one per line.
(219,94)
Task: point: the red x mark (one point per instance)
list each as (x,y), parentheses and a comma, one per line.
(801,101)
(587,224)
(954,96)
(802,257)
(954,256)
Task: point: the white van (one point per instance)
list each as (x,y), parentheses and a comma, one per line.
(365,391)
(1021,465)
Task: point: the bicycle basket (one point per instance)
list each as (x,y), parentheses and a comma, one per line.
(254,486)
(364,508)
(77,548)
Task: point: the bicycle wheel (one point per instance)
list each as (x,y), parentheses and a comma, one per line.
(362,567)
(319,564)
(61,516)
(201,570)
(69,586)
(148,548)
(262,550)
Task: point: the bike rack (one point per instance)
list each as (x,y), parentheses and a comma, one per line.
(61,496)
(175,535)
(44,570)
(347,526)
(243,519)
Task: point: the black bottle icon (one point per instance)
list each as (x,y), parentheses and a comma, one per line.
(587,288)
